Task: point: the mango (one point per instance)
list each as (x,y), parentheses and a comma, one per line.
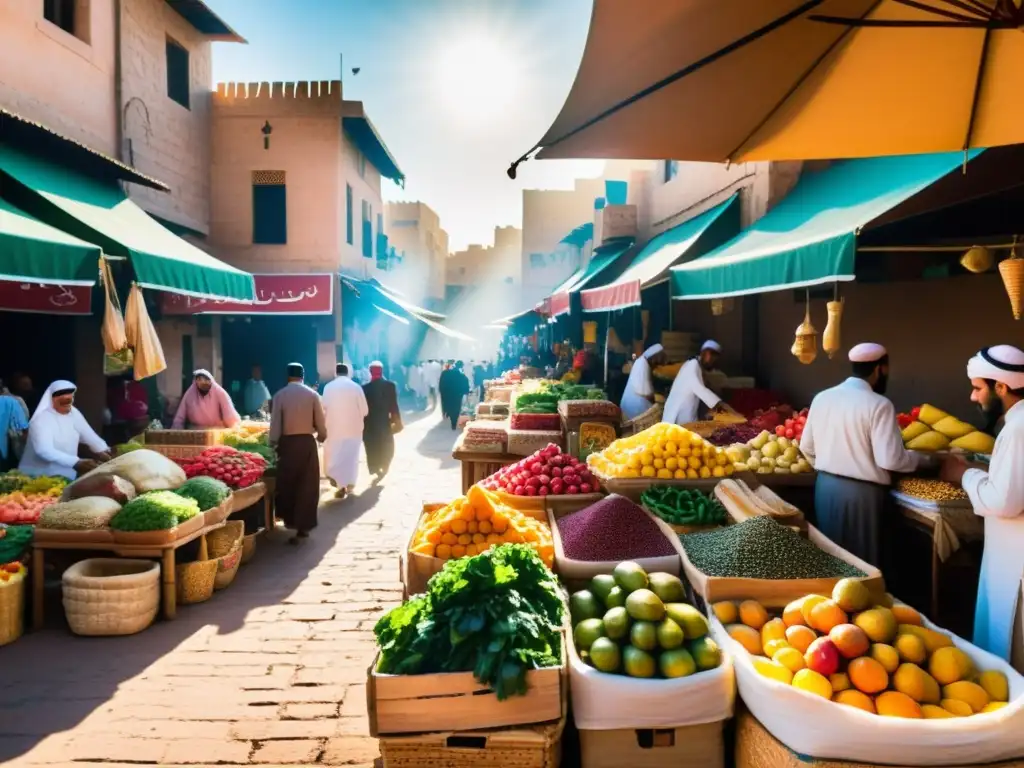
(932,712)
(996,686)
(929,442)
(931,415)
(932,640)
(970,693)
(952,427)
(958,708)
(947,665)
(975,442)
(914,429)
(917,684)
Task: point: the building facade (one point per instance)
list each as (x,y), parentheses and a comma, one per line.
(414,230)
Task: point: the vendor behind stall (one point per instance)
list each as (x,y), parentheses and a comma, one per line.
(853,440)
(206,405)
(997,379)
(689,391)
(638,396)
(55,432)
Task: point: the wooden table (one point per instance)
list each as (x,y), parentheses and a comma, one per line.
(477,466)
(166,553)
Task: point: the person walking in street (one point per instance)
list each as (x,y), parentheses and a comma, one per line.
(432,369)
(206,405)
(255,396)
(297,423)
(997,496)
(345,408)
(383,421)
(414,383)
(453,387)
(853,441)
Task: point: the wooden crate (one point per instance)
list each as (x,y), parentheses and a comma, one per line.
(757,748)
(178,451)
(418,568)
(179,437)
(455,701)
(534,747)
(694,746)
(777,593)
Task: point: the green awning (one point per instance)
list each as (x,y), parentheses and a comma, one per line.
(35,252)
(101,213)
(651,265)
(810,237)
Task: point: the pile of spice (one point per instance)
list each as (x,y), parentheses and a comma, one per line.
(613,528)
(760,548)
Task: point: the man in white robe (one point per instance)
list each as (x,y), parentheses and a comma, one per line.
(432,369)
(345,408)
(997,495)
(414,383)
(55,432)
(689,391)
(638,396)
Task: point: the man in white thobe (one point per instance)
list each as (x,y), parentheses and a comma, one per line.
(997,495)
(55,432)
(638,396)
(853,440)
(345,408)
(432,369)
(414,383)
(689,391)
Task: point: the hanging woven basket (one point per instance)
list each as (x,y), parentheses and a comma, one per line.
(805,345)
(1012,272)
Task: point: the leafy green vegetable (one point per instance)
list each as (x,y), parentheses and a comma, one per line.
(155,511)
(128,447)
(16,541)
(498,614)
(209,492)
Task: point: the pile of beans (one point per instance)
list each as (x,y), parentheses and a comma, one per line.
(612,529)
(930,489)
(760,548)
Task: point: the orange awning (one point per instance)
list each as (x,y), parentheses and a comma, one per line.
(745,80)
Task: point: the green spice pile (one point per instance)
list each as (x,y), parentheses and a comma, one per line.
(155,511)
(760,548)
(682,506)
(209,492)
(498,615)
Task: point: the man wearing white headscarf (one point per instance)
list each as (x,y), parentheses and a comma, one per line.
(639,393)
(997,380)
(689,391)
(345,409)
(853,440)
(55,432)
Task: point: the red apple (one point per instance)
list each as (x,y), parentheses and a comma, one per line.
(790,433)
(822,656)
(780,431)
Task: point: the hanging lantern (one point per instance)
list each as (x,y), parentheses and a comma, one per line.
(977,260)
(721,307)
(1012,272)
(805,345)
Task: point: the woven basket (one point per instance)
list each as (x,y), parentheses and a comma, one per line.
(527,747)
(227,567)
(249,547)
(194,581)
(223,541)
(1012,272)
(111,596)
(12,611)
(645,420)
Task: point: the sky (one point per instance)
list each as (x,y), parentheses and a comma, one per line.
(458,89)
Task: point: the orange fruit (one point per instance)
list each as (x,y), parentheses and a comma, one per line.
(911,648)
(878,623)
(807,604)
(458,526)
(790,658)
(458,550)
(840,681)
(450,539)
(850,640)
(773,670)
(906,615)
(826,615)
(887,656)
(800,637)
(917,684)
(753,614)
(443,552)
(853,698)
(791,614)
(867,675)
(774,629)
(746,636)
(896,704)
(726,612)
(772,647)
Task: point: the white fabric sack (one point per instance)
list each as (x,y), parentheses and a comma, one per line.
(146,470)
(809,725)
(604,702)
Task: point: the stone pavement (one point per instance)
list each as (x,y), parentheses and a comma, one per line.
(269,672)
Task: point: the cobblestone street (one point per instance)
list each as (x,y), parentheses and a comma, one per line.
(269,672)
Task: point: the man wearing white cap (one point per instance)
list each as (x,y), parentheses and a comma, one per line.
(997,379)
(639,393)
(689,391)
(853,441)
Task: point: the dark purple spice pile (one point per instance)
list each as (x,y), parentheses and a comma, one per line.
(733,433)
(612,529)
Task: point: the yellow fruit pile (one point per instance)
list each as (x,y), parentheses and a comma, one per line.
(936,430)
(664,451)
(476,522)
(668,371)
(878,659)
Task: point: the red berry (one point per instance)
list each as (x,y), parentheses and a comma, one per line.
(585,488)
(572,489)
(531,491)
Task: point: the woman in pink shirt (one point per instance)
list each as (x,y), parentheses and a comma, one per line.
(206,405)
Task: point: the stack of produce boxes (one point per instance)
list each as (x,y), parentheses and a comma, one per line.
(473,670)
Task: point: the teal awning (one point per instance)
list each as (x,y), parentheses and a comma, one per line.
(580,235)
(100,213)
(810,237)
(32,251)
(651,265)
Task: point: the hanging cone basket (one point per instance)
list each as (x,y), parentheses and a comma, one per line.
(805,345)
(1012,272)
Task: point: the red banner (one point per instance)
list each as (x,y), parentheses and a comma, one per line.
(275,295)
(45,299)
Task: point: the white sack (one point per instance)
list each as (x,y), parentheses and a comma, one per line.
(603,702)
(809,725)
